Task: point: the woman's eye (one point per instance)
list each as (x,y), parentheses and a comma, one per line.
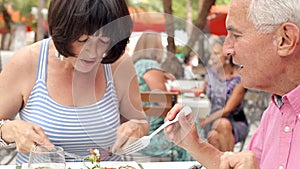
(104,40)
(82,40)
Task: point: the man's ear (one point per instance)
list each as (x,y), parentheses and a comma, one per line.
(288,35)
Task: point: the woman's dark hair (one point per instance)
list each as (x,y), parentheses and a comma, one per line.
(70,19)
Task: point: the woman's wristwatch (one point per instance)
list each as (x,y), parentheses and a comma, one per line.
(3,144)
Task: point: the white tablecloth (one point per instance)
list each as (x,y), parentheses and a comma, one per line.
(146,165)
(200,105)
(169,165)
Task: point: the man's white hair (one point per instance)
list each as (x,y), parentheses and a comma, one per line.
(266,15)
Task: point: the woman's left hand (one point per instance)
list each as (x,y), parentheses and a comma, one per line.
(129,132)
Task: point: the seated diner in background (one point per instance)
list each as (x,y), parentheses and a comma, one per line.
(226,123)
(147,56)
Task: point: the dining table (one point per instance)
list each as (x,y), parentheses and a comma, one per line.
(200,105)
(190,93)
(114,164)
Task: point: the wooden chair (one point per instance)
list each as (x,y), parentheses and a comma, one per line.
(164,101)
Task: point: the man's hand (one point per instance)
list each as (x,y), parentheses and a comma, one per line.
(239,160)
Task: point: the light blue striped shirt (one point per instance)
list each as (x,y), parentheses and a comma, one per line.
(76,129)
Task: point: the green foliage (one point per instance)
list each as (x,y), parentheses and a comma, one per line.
(23,6)
(146,5)
(223,2)
(178,6)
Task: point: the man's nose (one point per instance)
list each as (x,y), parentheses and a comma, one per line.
(228,49)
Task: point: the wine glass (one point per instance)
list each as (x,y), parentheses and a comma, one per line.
(45,157)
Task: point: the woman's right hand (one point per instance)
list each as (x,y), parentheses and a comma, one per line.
(25,135)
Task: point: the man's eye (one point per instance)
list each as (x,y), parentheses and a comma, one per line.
(236,35)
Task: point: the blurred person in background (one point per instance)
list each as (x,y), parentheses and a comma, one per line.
(75,89)
(226,123)
(190,61)
(147,57)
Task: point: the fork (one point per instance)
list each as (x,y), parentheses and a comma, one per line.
(145,140)
(103,154)
(74,156)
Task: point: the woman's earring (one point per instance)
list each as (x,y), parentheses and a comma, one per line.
(104,55)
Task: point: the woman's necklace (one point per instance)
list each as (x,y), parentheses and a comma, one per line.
(58,55)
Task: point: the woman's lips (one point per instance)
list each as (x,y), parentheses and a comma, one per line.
(88,62)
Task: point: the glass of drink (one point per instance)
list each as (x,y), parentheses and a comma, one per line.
(43,157)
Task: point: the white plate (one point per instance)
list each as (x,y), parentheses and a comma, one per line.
(169,165)
(80,165)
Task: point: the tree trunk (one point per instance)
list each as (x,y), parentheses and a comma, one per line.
(171,64)
(204,9)
(189,18)
(169,25)
(40,31)
(6,38)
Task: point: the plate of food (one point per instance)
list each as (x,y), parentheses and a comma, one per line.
(173,164)
(92,161)
(100,165)
(104,165)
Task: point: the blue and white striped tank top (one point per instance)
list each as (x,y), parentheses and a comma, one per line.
(76,129)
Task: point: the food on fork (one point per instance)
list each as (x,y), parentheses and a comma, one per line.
(94,158)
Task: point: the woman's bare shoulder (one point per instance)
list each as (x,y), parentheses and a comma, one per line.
(125,59)
(123,66)
(23,61)
(124,74)
(26,55)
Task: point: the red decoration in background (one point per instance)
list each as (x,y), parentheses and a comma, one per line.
(217,25)
(145,20)
(140,26)
(217,19)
